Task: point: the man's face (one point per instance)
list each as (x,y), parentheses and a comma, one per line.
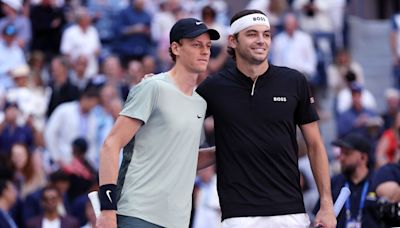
(88,103)
(252,44)
(194,54)
(350,160)
(50,200)
(59,72)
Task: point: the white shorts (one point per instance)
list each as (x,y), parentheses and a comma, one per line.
(292,220)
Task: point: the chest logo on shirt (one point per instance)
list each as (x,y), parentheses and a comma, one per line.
(279,99)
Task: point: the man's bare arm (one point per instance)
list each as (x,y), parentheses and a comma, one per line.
(320,168)
(206,157)
(122,132)
(390,190)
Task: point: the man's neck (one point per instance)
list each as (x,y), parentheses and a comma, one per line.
(252,70)
(51,215)
(184,80)
(359,175)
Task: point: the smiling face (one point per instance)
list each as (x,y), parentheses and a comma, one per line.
(193,54)
(252,44)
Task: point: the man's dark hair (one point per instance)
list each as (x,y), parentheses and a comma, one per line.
(173,56)
(90,91)
(80,145)
(57,176)
(208,10)
(50,188)
(235,17)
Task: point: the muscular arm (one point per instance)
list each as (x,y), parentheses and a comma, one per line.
(319,165)
(122,132)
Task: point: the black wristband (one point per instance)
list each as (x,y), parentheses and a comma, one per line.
(108,197)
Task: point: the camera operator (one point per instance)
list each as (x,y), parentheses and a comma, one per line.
(387,188)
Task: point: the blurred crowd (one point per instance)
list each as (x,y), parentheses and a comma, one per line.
(67,66)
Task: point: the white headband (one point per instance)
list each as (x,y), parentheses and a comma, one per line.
(247,21)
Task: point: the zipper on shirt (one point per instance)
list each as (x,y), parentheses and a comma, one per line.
(254,86)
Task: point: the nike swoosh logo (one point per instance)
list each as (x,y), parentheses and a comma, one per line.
(198,117)
(108,195)
(199,22)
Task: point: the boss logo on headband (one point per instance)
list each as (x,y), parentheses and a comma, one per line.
(259,19)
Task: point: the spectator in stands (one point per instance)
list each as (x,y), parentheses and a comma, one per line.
(162,22)
(32,105)
(78,73)
(112,74)
(104,14)
(50,199)
(81,173)
(387,187)
(11,9)
(149,64)
(294,48)
(135,72)
(395,48)
(69,121)
(387,150)
(392,96)
(90,215)
(386,182)
(355,151)
(47,23)
(133,32)
(32,204)
(62,90)
(343,100)
(82,39)
(340,68)
(11,55)
(8,197)
(355,118)
(219,52)
(28,176)
(106,112)
(207,209)
(314,15)
(11,132)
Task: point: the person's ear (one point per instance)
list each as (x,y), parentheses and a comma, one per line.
(232,41)
(175,48)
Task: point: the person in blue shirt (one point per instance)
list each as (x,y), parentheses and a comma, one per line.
(8,197)
(358,210)
(133,32)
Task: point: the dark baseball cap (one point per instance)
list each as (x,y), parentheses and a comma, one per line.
(190,28)
(354,141)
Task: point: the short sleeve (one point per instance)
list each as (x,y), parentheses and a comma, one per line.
(203,90)
(390,172)
(141,101)
(305,111)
